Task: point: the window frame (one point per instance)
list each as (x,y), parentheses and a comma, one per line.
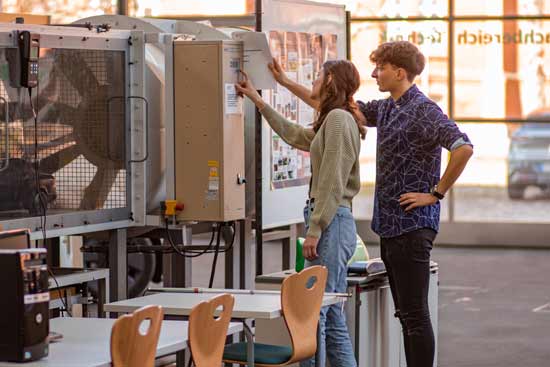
(451,20)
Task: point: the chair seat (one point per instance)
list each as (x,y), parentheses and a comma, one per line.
(263,353)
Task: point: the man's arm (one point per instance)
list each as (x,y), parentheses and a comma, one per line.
(459,158)
(297,89)
(369,111)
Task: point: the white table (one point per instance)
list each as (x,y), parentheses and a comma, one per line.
(253,305)
(261,305)
(86,342)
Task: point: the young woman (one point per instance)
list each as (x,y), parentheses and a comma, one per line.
(334,143)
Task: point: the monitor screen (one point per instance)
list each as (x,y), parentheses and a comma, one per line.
(14,240)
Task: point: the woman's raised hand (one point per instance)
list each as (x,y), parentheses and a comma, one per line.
(245,87)
(277,71)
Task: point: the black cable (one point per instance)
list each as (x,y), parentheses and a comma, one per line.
(222,250)
(183,253)
(214,262)
(230,247)
(39,197)
(217,251)
(59,292)
(207,250)
(226,247)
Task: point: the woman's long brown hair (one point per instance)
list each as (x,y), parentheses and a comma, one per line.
(338,93)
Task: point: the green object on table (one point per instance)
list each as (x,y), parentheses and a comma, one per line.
(360,254)
(299,254)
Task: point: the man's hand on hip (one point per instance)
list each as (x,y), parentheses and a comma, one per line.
(413,200)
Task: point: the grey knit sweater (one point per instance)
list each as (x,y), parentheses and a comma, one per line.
(334,152)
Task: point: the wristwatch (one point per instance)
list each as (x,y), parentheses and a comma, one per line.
(436,193)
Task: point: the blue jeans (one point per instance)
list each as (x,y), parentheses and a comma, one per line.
(336,246)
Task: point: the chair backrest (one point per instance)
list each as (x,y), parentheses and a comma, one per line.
(131,344)
(207,332)
(301,299)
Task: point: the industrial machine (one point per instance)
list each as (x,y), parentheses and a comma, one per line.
(24,303)
(196,147)
(195,142)
(72,112)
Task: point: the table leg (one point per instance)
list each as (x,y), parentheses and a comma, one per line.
(102,296)
(250,343)
(180,358)
(84,300)
(118,265)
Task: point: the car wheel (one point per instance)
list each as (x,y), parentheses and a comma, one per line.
(141,266)
(515,192)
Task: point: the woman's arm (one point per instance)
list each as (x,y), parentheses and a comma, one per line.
(297,89)
(292,133)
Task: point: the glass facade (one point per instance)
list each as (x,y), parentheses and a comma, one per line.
(60,11)
(488,68)
(188,7)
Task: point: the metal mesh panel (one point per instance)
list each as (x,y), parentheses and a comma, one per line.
(80,134)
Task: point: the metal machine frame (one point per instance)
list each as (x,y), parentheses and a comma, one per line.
(161,34)
(131,43)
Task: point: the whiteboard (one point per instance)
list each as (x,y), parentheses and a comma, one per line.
(284,206)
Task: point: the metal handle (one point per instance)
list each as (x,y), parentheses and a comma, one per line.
(6,158)
(146,127)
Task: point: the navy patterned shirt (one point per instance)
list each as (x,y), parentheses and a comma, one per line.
(410,134)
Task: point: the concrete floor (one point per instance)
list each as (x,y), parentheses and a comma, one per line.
(494,304)
(494,307)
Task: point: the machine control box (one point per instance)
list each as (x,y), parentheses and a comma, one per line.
(209,131)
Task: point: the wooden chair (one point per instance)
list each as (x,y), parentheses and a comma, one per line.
(301,304)
(207,333)
(130,347)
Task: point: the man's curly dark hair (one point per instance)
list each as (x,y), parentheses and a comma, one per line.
(402,54)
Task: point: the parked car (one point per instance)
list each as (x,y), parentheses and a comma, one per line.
(529,155)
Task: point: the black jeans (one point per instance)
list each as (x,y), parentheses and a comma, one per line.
(407,261)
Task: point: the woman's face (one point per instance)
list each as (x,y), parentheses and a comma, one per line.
(318,85)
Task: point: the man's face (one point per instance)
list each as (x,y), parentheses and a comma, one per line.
(388,76)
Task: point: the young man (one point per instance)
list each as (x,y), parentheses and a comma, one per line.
(411,130)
